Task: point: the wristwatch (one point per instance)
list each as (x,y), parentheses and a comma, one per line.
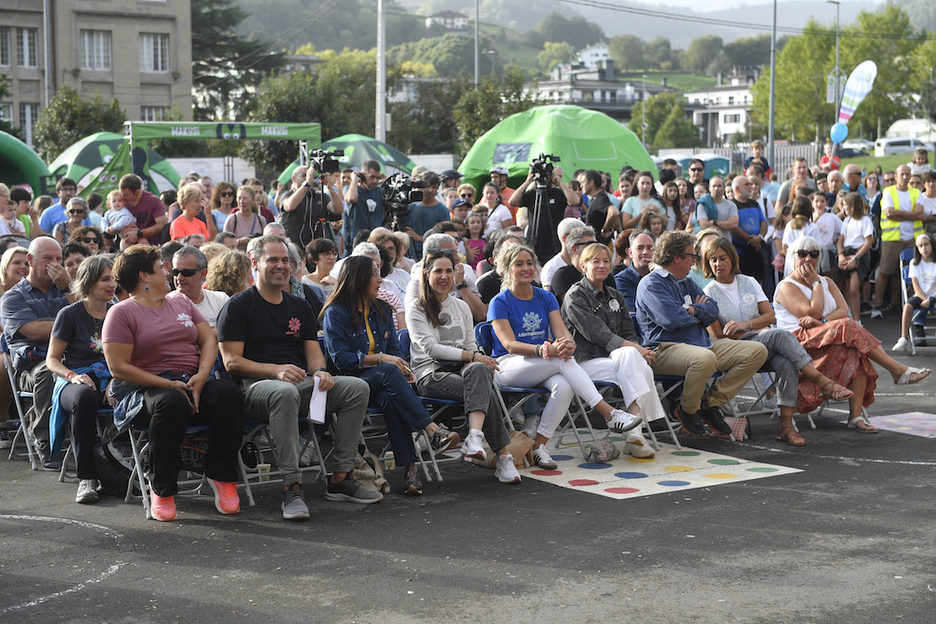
(320,368)
(462,285)
(814,284)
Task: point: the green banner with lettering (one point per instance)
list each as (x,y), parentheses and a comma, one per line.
(238,131)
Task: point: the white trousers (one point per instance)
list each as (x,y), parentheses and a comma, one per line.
(630,371)
(563,379)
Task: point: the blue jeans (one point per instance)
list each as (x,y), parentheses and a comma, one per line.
(403,411)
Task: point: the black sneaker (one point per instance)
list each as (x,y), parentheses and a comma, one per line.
(691,423)
(713,417)
(249,453)
(442,439)
(350,491)
(5,441)
(413,484)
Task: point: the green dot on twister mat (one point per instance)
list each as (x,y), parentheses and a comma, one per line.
(724,462)
(686,453)
(762,469)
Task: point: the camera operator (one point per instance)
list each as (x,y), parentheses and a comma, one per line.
(558,197)
(365,201)
(304,206)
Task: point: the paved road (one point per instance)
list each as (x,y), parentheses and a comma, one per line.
(848,540)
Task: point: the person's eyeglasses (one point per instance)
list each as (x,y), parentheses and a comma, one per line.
(695,256)
(226,193)
(89,239)
(467,195)
(812,253)
(184,272)
(696,169)
(76,212)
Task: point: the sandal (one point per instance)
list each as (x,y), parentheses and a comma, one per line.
(827,389)
(861,425)
(789,435)
(922,373)
(888,307)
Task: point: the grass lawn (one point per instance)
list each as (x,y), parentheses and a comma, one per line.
(888,163)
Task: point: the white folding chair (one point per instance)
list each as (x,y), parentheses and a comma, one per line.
(23,413)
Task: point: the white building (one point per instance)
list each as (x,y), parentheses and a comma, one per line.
(593,56)
(724,109)
(450,19)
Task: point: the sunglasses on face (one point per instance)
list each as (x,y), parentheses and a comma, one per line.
(184,272)
(226,193)
(696,169)
(802,253)
(76,212)
(88,239)
(467,195)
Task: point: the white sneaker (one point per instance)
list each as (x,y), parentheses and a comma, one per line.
(530,425)
(473,447)
(636,446)
(902,345)
(309,457)
(622,421)
(505,471)
(543,459)
(876,313)
(87,491)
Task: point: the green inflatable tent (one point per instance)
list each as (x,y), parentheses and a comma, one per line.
(582,138)
(19,164)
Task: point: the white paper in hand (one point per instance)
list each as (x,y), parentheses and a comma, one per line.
(317,404)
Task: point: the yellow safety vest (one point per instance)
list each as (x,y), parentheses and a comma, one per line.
(890,229)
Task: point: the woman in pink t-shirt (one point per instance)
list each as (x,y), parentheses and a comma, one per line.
(163,345)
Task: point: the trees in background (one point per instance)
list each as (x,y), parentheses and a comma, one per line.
(481,108)
(69,118)
(668,126)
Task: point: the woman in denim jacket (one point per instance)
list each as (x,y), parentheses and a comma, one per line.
(360,340)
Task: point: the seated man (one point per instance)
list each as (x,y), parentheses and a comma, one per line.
(27,312)
(640,251)
(673,314)
(189,270)
(269,339)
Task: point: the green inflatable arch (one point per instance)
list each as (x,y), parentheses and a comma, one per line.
(19,164)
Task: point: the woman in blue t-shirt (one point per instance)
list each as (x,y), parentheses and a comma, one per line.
(523,317)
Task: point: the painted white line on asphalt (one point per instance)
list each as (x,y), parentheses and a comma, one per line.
(839,457)
(111,533)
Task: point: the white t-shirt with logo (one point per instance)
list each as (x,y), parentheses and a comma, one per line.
(855,231)
(925,272)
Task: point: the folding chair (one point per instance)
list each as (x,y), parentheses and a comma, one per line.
(19,397)
(905,293)
(484,336)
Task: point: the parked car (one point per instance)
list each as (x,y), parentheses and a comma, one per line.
(861,145)
(898,145)
(849,152)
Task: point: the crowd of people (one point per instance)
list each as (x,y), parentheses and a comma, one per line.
(217,303)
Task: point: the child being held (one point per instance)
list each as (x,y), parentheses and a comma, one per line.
(119,220)
(920,163)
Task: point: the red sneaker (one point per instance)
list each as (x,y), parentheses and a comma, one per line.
(163,508)
(227,500)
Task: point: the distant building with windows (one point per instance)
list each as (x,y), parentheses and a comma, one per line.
(301,62)
(450,19)
(594,88)
(724,109)
(593,56)
(139,51)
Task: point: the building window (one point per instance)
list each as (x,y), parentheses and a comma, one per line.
(154,53)
(26,47)
(4,47)
(732,119)
(28,114)
(152,113)
(95,49)
(6,112)
(730,99)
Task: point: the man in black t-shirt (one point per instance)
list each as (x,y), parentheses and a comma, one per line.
(558,197)
(598,204)
(269,339)
(304,208)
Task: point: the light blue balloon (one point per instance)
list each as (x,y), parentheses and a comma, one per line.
(839,132)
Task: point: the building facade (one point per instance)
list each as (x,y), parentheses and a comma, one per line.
(723,110)
(450,19)
(139,51)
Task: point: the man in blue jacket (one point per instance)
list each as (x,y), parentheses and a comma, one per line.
(673,314)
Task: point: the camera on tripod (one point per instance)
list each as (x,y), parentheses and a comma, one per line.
(324,161)
(542,168)
(399,191)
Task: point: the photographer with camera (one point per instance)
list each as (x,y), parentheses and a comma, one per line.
(557,197)
(425,214)
(306,210)
(365,201)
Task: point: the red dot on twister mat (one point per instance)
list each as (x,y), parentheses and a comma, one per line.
(582,482)
(546,473)
(621,490)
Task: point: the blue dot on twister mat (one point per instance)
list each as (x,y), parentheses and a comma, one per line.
(630,475)
(673,483)
(594,466)
(561,457)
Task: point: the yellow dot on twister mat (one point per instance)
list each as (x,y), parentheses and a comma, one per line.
(678,468)
(722,475)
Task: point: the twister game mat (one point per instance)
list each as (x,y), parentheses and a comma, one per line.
(912,423)
(670,470)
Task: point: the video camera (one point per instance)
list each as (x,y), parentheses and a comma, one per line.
(399,191)
(542,168)
(324,161)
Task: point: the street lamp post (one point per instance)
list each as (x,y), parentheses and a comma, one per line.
(773,86)
(837,70)
(643,111)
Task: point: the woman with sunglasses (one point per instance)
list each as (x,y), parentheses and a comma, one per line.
(89,236)
(222,203)
(813,309)
(75,211)
(448,365)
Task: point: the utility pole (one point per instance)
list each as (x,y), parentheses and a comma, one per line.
(380,129)
(773,86)
(477,42)
(838,92)
(643,111)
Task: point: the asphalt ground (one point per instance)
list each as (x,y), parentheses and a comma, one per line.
(850,539)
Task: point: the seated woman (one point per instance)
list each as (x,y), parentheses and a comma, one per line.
(360,340)
(523,316)
(321,255)
(606,344)
(164,349)
(814,310)
(91,237)
(76,211)
(76,356)
(447,364)
(745,313)
(923,278)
